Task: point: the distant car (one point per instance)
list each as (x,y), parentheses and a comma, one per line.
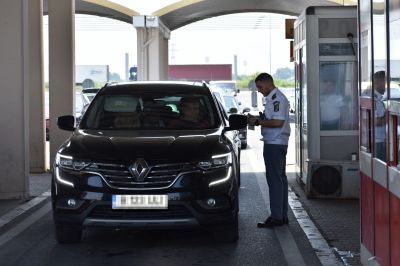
(228,86)
(232,106)
(81,103)
(90,93)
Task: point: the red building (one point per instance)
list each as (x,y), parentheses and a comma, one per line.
(200,72)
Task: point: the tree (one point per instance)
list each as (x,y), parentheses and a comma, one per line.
(115,77)
(284,73)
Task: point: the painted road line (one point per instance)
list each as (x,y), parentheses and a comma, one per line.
(16,230)
(11,215)
(323,251)
(286,240)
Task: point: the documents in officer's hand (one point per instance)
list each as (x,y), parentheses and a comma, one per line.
(251,121)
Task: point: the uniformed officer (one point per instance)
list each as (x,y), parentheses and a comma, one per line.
(379,80)
(275,131)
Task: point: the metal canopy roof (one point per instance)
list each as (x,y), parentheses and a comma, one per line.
(211,8)
(185,12)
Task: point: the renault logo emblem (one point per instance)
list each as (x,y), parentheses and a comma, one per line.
(139,169)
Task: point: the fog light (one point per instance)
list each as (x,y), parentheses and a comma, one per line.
(71,202)
(211,202)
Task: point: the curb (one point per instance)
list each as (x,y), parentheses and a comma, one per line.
(23,208)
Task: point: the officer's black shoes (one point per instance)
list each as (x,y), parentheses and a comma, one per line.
(271,222)
(285,220)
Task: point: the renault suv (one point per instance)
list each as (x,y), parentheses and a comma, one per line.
(148,155)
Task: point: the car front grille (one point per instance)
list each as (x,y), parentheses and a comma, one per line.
(173,212)
(158,176)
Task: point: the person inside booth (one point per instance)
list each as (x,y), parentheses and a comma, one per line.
(379,89)
(332,104)
(379,81)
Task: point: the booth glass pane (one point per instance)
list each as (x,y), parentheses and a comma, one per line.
(337,27)
(337,49)
(380,104)
(303,89)
(394,24)
(365,131)
(379,79)
(397,133)
(338,96)
(365,47)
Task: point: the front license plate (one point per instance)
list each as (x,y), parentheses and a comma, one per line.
(140,201)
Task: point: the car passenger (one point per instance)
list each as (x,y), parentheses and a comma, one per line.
(191,115)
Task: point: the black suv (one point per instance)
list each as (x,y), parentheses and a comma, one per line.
(148,155)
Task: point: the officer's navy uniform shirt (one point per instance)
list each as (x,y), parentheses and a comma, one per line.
(276,107)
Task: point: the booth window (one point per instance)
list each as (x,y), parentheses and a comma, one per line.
(336,27)
(366,130)
(303,89)
(394,140)
(380,94)
(379,81)
(338,96)
(394,22)
(365,48)
(396,132)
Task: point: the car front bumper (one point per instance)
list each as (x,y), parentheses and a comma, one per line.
(89,202)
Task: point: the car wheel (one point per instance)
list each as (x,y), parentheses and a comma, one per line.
(229,232)
(66,235)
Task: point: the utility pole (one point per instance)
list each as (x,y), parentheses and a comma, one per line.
(235,73)
(126,66)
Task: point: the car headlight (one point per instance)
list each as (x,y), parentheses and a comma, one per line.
(68,162)
(216,161)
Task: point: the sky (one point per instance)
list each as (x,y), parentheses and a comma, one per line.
(257,39)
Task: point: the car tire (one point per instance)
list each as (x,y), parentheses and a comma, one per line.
(66,235)
(230,232)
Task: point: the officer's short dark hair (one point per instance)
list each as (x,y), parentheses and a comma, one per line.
(264,77)
(379,75)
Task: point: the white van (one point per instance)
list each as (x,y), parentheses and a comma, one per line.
(228,86)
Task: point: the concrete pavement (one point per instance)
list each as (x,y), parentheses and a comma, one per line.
(337,220)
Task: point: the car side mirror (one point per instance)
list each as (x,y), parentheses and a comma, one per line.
(292,111)
(233,110)
(66,122)
(236,122)
(246,110)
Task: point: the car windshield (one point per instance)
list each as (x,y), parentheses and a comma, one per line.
(151,110)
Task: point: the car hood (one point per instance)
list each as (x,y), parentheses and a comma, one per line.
(129,145)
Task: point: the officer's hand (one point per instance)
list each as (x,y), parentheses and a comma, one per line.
(251,120)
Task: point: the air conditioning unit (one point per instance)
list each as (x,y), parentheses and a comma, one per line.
(333,179)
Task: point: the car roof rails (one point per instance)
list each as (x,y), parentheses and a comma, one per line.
(110,83)
(204,83)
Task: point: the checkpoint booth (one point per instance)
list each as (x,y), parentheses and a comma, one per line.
(326,116)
